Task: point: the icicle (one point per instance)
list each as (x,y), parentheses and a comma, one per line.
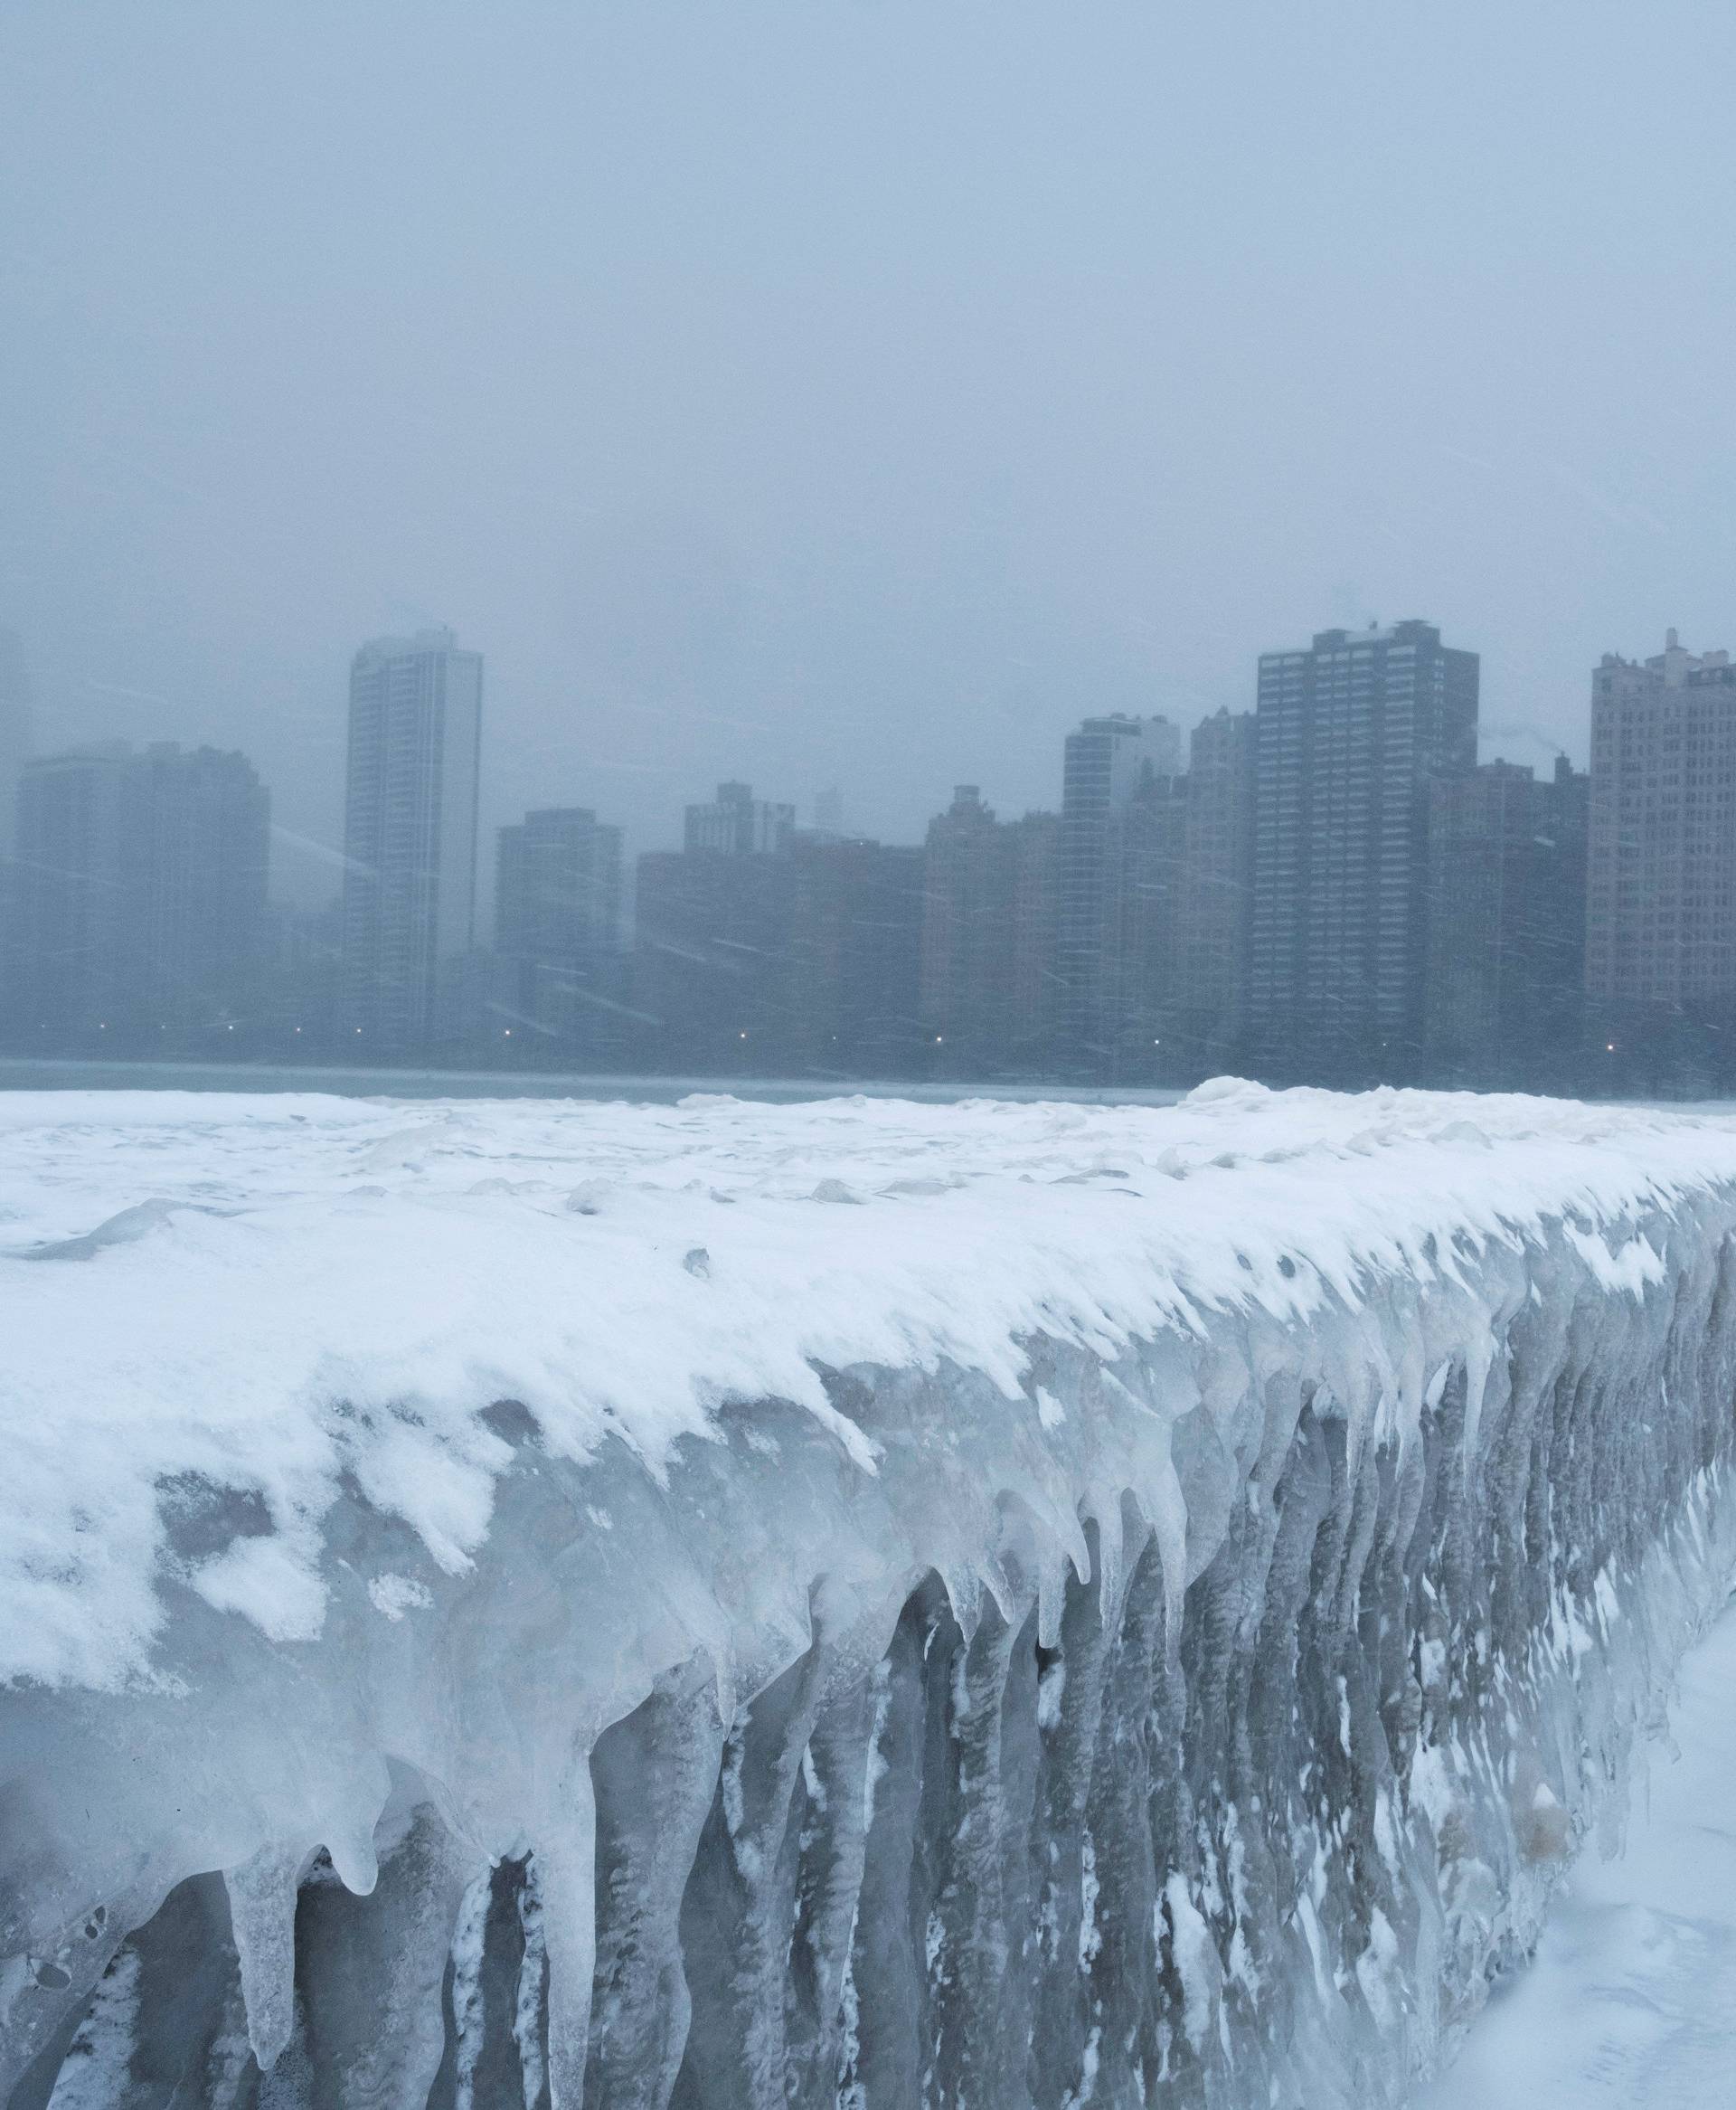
(963,1588)
(532,1991)
(1053,1565)
(564,1849)
(654,1775)
(1105,1510)
(468,1935)
(353,1860)
(262,1914)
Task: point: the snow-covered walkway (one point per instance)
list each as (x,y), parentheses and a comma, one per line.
(1631,2001)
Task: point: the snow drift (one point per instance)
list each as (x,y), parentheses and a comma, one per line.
(852,1603)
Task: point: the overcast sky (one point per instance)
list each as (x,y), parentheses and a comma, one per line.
(849,391)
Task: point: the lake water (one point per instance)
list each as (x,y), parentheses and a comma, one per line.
(23,1075)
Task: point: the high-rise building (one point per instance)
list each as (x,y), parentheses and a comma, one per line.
(802,957)
(1661,922)
(967,948)
(854,970)
(739,825)
(1218,890)
(1143,952)
(15,737)
(1350,733)
(141,905)
(1108,760)
(410,838)
(1506,926)
(713,927)
(557,924)
(711,959)
(1035,850)
(988,939)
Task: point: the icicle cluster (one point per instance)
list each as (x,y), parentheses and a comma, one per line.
(1205,1727)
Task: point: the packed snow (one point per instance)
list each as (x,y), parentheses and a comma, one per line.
(1628,2003)
(849,1602)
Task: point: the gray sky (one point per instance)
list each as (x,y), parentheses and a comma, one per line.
(849,391)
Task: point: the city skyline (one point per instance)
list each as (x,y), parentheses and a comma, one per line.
(306,871)
(1329,885)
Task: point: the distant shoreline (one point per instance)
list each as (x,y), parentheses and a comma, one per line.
(34,1074)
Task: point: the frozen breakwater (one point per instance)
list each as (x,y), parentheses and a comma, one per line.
(856,1602)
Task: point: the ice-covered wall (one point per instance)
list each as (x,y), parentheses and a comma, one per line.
(854,1603)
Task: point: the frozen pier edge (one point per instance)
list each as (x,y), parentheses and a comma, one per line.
(856,1603)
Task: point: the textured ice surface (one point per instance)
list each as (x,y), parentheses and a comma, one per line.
(856,1602)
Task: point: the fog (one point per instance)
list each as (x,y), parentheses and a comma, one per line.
(847,394)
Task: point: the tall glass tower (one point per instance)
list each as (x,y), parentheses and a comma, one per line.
(410,837)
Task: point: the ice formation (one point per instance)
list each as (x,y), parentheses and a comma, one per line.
(852,1603)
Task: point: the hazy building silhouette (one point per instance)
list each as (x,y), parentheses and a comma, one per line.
(1507,930)
(303,998)
(1106,761)
(711,959)
(410,838)
(1143,945)
(1218,883)
(801,954)
(853,966)
(1034,846)
(140,914)
(966,946)
(558,926)
(828,814)
(1661,921)
(1350,733)
(737,824)
(988,982)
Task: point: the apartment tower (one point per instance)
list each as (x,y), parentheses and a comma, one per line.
(410,838)
(1661,916)
(1349,735)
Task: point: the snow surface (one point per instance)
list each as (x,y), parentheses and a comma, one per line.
(1631,2000)
(280,1290)
(853,1602)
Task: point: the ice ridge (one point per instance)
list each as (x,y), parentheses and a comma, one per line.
(1139,1610)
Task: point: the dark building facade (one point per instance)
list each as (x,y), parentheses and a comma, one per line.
(712,931)
(139,916)
(988,977)
(409,840)
(1107,761)
(1218,891)
(1351,734)
(558,928)
(1506,932)
(761,947)
(711,959)
(854,1007)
